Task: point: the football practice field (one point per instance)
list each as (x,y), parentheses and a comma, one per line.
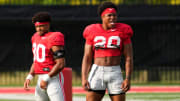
(153,97)
(143,97)
(81,97)
(136,93)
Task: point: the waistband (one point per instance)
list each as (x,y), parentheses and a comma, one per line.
(42,75)
(106,68)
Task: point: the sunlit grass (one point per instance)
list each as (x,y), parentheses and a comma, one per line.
(16,78)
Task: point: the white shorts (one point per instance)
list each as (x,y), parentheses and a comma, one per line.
(54,91)
(106,77)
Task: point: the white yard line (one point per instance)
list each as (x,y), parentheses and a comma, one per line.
(30,97)
(27,97)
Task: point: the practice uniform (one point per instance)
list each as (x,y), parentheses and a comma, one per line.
(44,62)
(107,43)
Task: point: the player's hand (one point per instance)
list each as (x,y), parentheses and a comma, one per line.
(26,84)
(43,84)
(125,85)
(85,85)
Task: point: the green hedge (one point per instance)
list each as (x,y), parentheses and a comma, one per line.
(87,2)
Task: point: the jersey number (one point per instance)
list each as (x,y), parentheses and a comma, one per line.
(101,41)
(37,49)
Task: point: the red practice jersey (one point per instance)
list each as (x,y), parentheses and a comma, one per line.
(108,42)
(41,47)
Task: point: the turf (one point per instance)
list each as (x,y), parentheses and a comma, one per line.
(154,96)
(129,97)
(145,97)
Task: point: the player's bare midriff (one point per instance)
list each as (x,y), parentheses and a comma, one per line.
(107,61)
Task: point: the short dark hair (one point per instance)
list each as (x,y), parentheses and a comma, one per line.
(104,5)
(41,17)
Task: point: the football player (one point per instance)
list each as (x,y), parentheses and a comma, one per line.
(105,44)
(49,60)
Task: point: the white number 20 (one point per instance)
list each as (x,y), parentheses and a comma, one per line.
(102,41)
(36,51)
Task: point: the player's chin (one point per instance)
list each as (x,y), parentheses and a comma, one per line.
(40,32)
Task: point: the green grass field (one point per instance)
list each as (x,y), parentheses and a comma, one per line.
(129,97)
(154,96)
(139,78)
(148,97)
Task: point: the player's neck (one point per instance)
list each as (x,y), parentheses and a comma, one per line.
(105,27)
(41,34)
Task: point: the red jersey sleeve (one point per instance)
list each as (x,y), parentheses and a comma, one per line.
(88,35)
(128,32)
(56,39)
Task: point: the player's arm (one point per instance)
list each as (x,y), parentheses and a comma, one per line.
(29,77)
(32,70)
(58,54)
(86,65)
(128,53)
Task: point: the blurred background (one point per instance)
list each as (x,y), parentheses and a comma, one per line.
(156,40)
